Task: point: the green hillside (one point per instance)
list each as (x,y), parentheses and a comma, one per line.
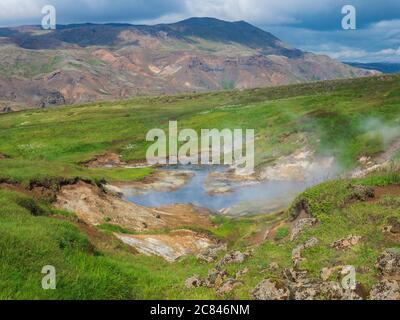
(345,119)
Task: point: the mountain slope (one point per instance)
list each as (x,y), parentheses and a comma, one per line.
(82,63)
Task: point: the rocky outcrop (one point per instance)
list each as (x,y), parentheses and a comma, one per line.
(193,282)
(296,253)
(270,290)
(393,226)
(301,225)
(298,286)
(346,243)
(233,257)
(96,207)
(334,291)
(210,254)
(326,273)
(228,286)
(217,279)
(52,99)
(389,263)
(6,109)
(386,290)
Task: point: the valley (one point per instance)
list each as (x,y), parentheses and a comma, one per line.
(67,173)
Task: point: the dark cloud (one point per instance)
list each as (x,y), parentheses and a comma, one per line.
(368,12)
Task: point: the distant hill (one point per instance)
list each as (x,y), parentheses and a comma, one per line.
(89,62)
(384,67)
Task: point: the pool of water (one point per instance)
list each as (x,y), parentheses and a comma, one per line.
(272,194)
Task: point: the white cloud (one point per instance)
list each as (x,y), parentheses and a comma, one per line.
(20,9)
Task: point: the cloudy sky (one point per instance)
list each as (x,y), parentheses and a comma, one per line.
(313,25)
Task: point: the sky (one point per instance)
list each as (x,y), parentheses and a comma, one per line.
(311,25)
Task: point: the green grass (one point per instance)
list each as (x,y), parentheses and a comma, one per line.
(26,171)
(334,116)
(281,233)
(29,241)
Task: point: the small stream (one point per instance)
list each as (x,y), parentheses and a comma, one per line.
(245,199)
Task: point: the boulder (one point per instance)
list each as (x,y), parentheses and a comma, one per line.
(389,262)
(52,99)
(307,291)
(193,282)
(385,290)
(346,243)
(269,290)
(210,254)
(334,291)
(215,278)
(393,226)
(233,257)
(227,286)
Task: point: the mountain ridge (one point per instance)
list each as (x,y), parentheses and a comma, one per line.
(88,62)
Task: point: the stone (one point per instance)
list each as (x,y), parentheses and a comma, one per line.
(210,254)
(6,109)
(326,273)
(296,253)
(300,226)
(193,282)
(241,273)
(273,266)
(233,257)
(53,98)
(227,286)
(394,225)
(295,276)
(361,193)
(215,278)
(269,290)
(385,290)
(305,292)
(334,291)
(389,262)
(346,243)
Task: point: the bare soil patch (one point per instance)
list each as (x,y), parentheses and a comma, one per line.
(168,246)
(95,207)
